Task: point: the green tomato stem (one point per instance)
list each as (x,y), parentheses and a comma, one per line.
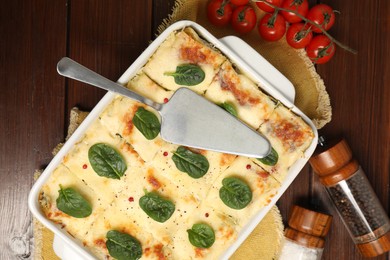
(272,19)
(323,51)
(221,10)
(241,15)
(302,33)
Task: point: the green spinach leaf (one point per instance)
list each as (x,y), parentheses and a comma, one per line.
(156,207)
(235,193)
(201,235)
(122,246)
(72,203)
(187,75)
(229,107)
(147,123)
(194,164)
(106,161)
(271,159)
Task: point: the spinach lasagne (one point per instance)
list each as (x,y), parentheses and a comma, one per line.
(125,193)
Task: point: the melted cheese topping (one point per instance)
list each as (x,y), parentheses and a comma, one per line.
(150,166)
(262,185)
(77,227)
(225,230)
(290,136)
(118,119)
(147,180)
(114,219)
(144,86)
(78,157)
(198,187)
(178,49)
(252,106)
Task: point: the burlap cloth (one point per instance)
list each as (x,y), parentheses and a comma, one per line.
(311,97)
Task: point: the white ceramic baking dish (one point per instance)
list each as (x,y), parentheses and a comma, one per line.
(241,54)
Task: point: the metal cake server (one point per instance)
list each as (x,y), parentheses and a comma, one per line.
(187,118)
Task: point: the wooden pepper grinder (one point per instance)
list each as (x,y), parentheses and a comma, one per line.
(305,234)
(353,196)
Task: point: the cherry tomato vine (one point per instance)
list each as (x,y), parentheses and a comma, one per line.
(313,24)
(304,27)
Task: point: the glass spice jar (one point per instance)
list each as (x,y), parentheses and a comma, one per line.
(305,234)
(354,198)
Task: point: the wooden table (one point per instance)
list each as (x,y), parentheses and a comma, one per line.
(107,36)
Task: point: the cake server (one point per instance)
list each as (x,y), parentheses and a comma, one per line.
(187,118)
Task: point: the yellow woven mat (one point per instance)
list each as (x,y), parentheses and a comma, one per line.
(263,244)
(311,95)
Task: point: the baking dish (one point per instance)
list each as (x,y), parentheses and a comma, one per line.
(268,77)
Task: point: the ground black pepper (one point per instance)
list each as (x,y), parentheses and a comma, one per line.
(353,197)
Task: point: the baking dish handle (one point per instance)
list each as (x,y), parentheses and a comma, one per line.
(260,65)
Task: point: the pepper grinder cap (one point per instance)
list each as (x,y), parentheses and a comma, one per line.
(334,162)
(309,222)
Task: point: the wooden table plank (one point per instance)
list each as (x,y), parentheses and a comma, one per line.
(31,109)
(359,89)
(105,36)
(161,10)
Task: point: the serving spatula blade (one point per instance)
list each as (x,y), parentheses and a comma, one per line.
(191,120)
(187,119)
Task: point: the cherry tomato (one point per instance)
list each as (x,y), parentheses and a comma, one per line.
(272,27)
(299,6)
(266,8)
(219,12)
(322,15)
(244,19)
(239,2)
(298,35)
(321,49)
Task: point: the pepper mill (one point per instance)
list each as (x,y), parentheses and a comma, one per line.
(305,234)
(353,197)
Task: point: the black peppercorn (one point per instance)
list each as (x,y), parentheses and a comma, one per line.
(354,198)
